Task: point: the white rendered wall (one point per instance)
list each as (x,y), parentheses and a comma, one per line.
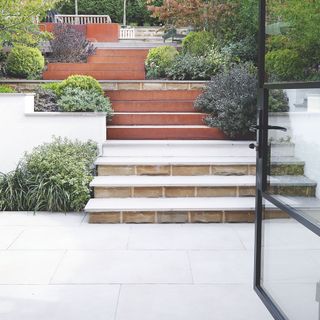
(22,129)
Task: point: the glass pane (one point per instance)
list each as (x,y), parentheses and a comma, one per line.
(292,40)
(290,265)
(294,155)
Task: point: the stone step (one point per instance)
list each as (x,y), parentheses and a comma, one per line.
(145,132)
(184,210)
(157,118)
(181,166)
(153,106)
(188,148)
(99,75)
(153,95)
(196,186)
(170,210)
(75,67)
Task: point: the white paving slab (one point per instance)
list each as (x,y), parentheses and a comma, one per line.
(59,267)
(93,237)
(40,218)
(28,267)
(219,266)
(58,302)
(183,237)
(8,235)
(205,302)
(123,267)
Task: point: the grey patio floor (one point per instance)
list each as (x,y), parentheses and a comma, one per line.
(57,267)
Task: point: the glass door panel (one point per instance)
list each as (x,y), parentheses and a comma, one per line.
(290,270)
(293,164)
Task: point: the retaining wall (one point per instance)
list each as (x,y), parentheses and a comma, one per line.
(22,129)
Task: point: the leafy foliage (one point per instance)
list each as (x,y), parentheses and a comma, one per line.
(294,54)
(53,177)
(230,100)
(198,43)
(137,11)
(6,89)
(17,20)
(24,62)
(198,13)
(243,50)
(69,44)
(278,101)
(81,82)
(45,100)
(159,59)
(76,99)
(189,67)
(284,64)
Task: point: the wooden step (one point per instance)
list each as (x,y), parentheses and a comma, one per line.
(99,75)
(75,67)
(164,133)
(153,106)
(121,52)
(151,95)
(117,59)
(157,119)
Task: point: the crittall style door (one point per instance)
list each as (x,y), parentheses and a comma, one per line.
(287,237)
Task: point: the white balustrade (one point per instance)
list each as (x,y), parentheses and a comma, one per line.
(127,33)
(81,19)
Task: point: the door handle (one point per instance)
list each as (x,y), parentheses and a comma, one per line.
(255,128)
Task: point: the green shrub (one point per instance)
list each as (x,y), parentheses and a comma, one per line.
(53,86)
(159,59)
(53,177)
(6,89)
(189,67)
(244,50)
(230,100)
(81,82)
(284,64)
(278,101)
(77,99)
(25,62)
(45,100)
(198,43)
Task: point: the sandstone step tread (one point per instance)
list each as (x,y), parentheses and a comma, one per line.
(189,204)
(201,181)
(125,160)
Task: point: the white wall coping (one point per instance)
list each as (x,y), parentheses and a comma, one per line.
(63,114)
(17,94)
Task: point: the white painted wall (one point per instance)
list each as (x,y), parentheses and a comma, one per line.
(22,129)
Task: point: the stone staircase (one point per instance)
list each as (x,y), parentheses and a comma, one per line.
(106,64)
(143,181)
(158,114)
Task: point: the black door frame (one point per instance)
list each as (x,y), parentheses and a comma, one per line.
(262,165)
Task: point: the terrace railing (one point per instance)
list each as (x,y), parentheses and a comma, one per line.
(81,19)
(127,33)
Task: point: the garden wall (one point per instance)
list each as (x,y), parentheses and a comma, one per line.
(100,32)
(21,128)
